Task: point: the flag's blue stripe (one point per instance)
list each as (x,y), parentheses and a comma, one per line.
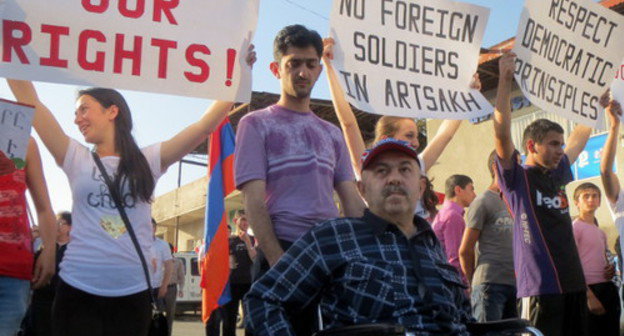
(225,296)
(227,141)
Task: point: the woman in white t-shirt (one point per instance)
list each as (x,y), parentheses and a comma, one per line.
(103,288)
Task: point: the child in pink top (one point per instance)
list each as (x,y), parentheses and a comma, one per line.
(592,244)
(602,295)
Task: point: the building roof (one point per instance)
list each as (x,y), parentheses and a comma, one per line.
(488,60)
(321,107)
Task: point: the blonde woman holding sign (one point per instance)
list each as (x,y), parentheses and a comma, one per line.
(399,128)
(103,290)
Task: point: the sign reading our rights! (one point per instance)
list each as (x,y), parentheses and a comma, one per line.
(188,48)
(15,124)
(410,58)
(568,54)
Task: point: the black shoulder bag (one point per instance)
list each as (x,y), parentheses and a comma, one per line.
(158,325)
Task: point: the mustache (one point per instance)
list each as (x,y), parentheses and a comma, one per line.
(394,189)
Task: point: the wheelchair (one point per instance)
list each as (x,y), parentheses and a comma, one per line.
(507,327)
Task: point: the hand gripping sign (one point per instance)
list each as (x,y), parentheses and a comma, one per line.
(410,58)
(617,87)
(189,48)
(568,53)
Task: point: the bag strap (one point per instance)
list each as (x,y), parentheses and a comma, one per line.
(122,212)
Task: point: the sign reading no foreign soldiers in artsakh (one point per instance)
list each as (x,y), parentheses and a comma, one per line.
(410,58)
(568,54)
(189,48)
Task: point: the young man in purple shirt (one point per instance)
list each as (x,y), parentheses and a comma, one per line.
(289,161)
(548,270)
(449,223)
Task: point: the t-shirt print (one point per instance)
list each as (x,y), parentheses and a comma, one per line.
(113,225)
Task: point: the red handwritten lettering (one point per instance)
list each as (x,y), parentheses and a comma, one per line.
(101,8)
(132,13)
(204,73)
(165,6)
(55,36)
(83,40)
(134,55)
(11,42)
(163,54)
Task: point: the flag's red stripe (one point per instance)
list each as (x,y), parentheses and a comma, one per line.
(216,270)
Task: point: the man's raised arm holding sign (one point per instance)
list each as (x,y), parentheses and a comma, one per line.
(610,180)
(502,120)
(555,301)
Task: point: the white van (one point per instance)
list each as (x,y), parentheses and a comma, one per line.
(191,298)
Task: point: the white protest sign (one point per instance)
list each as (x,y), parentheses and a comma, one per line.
(15,125)
(188,48)
(410,58)
(617,87)
(568,52)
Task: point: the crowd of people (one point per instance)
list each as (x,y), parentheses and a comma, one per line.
(389,253)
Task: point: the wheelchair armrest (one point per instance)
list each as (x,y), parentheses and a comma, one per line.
(372,329)
(502,325)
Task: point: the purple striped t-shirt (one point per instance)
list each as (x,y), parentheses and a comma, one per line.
(301,157)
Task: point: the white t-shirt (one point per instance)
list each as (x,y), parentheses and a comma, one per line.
(160,253)
(101,258)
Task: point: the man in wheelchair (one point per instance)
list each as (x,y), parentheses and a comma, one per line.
(385,267)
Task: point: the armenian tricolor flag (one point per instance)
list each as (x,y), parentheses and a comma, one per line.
(216,267)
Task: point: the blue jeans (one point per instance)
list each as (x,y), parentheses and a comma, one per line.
(13,304)
(493,302)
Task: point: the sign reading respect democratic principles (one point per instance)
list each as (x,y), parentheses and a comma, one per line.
(188,48)
(410,58)
(568,53)
(15,125)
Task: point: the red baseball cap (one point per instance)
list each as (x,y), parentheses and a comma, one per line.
(386,145)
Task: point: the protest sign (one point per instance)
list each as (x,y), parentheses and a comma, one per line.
(15,125)
(617,87)
(568,52)
(189,48)
(410,58)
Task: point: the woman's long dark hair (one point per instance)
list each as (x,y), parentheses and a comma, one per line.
(430,198)
(133,166)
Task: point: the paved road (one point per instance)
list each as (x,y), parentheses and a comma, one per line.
(190,325)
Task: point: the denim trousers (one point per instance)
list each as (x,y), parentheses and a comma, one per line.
(13,304)
(493,302)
